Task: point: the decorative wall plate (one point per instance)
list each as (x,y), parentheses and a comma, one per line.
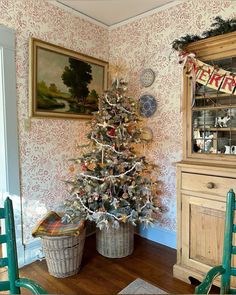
(148,105)
(147,77)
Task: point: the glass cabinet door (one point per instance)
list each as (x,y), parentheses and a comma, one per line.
(214,116)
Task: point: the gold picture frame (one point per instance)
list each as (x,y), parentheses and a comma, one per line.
(64,83)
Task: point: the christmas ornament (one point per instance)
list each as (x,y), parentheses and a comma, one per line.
(118,69)
(125,196)
(71,168)
(84,167)
(124,218)
(146,134)
(112,132)
(131,127)
(91,166)
(102,165)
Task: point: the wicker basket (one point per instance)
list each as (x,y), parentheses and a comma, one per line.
(115,243)
(63,254)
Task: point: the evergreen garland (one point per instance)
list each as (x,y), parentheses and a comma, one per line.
(181,44)
(219,27)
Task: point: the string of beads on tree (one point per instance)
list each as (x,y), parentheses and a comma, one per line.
(112,184)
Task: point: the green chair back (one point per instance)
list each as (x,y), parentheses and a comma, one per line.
(229,249)
(225,270)
(13,283)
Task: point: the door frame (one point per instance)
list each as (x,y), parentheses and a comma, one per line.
(9,146)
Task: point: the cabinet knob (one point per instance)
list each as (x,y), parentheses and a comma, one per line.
(210,185)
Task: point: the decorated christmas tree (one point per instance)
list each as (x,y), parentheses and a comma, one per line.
(112,183)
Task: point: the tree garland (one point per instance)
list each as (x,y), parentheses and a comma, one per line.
(110,176)
(110,214)
(106,145)
(219,27)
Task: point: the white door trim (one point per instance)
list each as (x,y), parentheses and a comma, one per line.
(9,151)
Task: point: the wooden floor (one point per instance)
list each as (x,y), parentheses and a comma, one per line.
(99,275)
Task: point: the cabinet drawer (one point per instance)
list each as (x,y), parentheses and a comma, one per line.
(207,183)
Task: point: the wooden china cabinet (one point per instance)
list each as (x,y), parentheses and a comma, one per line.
(208,168)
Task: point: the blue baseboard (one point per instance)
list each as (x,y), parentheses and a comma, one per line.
(32,252)
(159,235)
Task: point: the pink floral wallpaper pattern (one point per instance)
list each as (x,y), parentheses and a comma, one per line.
(146,42)
(47,146)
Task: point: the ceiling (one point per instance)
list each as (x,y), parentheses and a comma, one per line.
(111,12)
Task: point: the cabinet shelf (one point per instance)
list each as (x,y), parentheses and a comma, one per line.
(217,96)
(217,129)
(214,108)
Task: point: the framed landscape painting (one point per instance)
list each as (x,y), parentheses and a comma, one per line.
(64,83)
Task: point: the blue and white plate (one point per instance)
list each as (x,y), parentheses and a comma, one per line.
(148,105)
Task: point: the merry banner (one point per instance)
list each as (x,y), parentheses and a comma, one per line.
(212,77)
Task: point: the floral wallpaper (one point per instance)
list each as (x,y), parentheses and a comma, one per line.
(146,43)
(47,145)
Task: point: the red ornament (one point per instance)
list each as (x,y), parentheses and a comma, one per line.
(111,132)
(84,168)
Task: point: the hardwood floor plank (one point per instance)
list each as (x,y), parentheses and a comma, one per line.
(100,275)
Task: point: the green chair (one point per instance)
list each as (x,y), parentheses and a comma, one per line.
(225,270)
(14,283)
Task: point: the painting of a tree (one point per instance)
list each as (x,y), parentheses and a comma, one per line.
(77,77)
(65,83)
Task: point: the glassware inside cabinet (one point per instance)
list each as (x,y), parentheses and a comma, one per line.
(214,116)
